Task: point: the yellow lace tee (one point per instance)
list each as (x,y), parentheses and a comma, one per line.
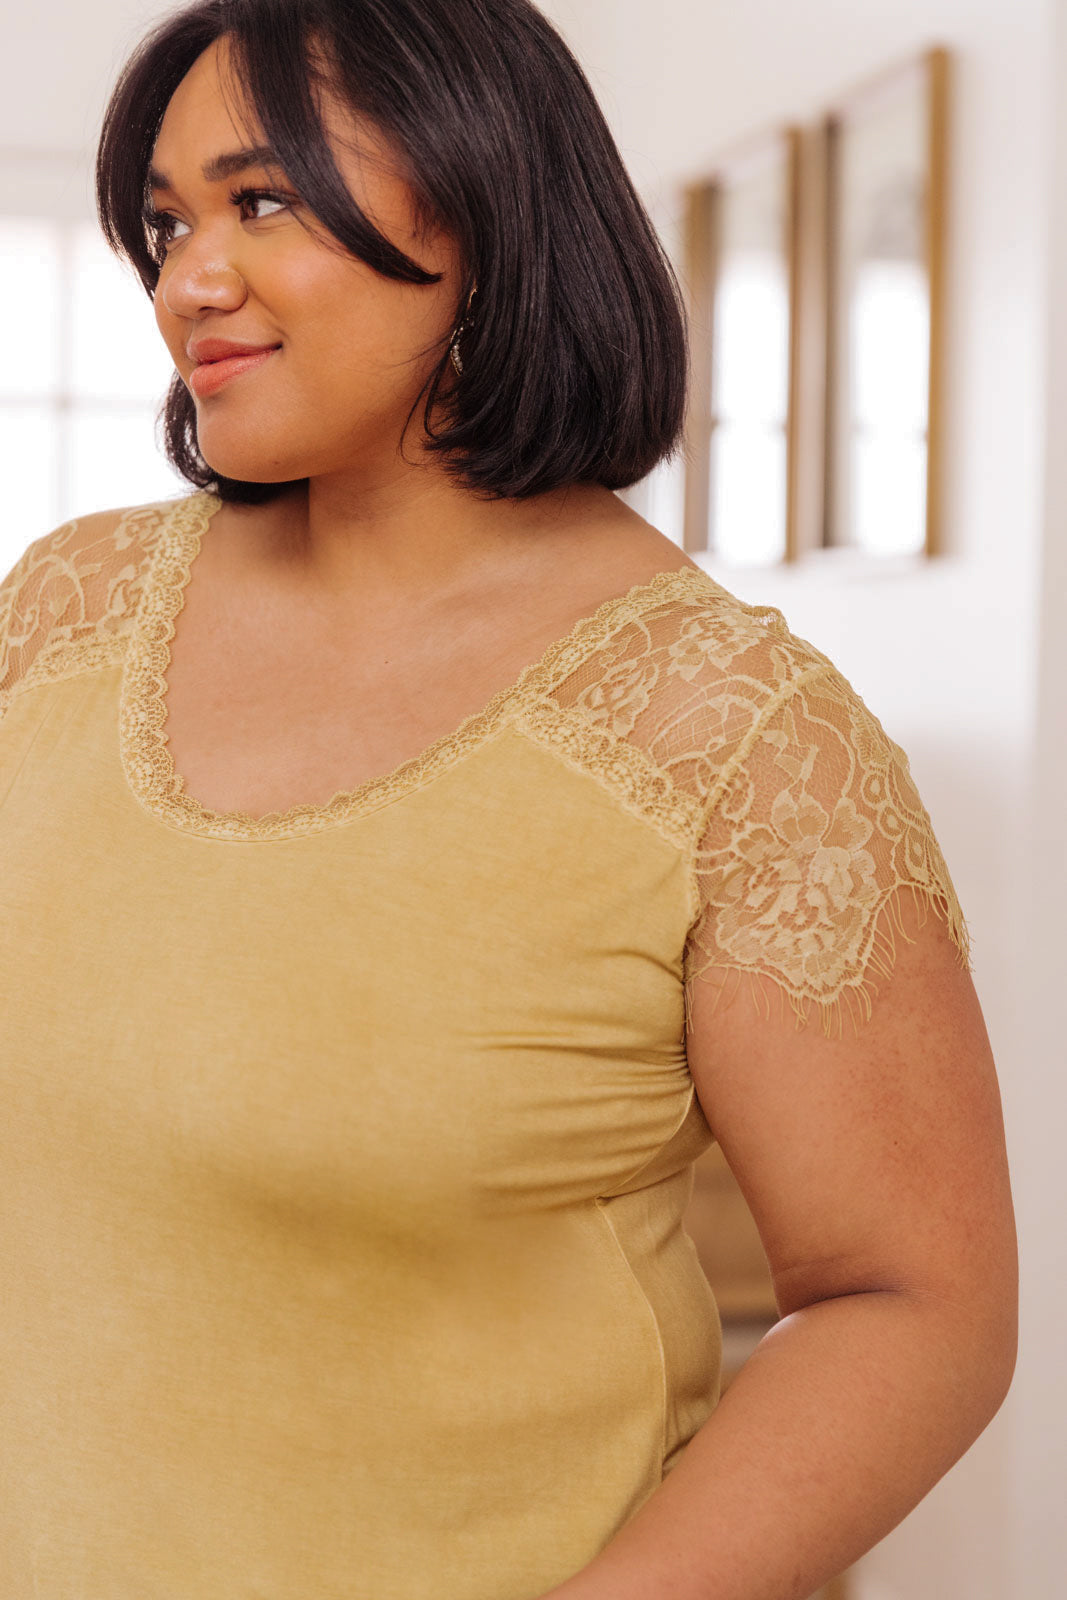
(344,1151)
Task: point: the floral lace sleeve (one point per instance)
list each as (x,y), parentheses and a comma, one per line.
(12,629)
(69,596)
(813,831)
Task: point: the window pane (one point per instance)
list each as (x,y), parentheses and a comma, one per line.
(29,463)
(118,351)
(751,349)
(748,494)
(890,345)
(882,306)
(889,478)
(115,462)
(30,289)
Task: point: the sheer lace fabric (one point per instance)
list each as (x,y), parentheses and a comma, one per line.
(66,605)
(704,716)
(800,814)
(812,836)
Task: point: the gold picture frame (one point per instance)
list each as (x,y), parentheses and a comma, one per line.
(885,153)
(741,271)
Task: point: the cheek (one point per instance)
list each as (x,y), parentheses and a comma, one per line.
(378,330)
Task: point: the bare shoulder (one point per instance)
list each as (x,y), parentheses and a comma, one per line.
(652,551)
(615,549)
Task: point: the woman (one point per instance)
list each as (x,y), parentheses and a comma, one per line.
(397,832)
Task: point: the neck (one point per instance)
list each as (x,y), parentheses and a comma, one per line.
(418,535)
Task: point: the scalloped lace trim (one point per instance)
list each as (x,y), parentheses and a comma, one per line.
(150,768)
(811,836)
(737,741)
(848,986)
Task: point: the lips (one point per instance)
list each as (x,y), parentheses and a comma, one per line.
(207,351)
(211,375)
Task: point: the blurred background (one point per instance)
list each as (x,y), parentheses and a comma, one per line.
(919,542)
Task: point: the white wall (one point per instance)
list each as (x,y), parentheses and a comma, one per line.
(946,653)
(57,67)
(959,658)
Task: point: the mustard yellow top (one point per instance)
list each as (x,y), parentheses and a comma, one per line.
(344,1151)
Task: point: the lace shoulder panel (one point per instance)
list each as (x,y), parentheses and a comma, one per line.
(743,742)
(807,844)
(66,604)
(682,677)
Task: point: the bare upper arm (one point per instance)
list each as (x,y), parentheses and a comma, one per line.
(872,1160)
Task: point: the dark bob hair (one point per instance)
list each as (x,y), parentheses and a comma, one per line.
(576,359)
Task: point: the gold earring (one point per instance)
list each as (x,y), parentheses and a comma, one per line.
(462,327)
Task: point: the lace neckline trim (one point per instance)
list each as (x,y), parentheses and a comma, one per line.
(146,758)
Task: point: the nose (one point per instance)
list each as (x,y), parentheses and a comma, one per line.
(203,280)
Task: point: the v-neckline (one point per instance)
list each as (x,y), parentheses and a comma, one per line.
(146,758)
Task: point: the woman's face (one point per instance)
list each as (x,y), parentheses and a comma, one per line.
(337,392)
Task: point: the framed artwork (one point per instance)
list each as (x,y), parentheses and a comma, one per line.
(741,269)
(885,152)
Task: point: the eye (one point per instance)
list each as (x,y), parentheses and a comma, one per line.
(160,224)
(240,196)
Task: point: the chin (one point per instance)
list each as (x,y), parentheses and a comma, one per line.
(253,469)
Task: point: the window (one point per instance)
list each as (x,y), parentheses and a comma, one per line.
(742,270)
(885,177)
(83,375)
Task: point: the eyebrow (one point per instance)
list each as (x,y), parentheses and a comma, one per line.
(224,166)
